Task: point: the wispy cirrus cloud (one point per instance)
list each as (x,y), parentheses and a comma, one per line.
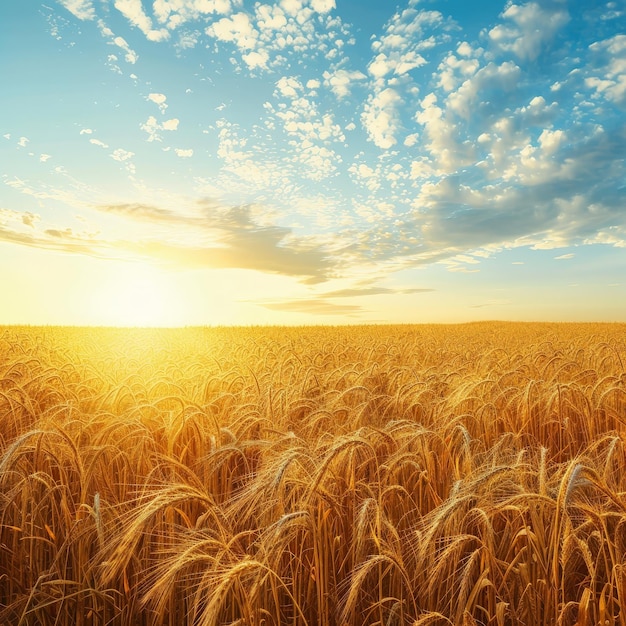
(313,307)
(354,292)
(234,240)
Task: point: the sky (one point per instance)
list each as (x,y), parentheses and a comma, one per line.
(211,162)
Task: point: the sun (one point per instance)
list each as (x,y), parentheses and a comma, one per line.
(136,295)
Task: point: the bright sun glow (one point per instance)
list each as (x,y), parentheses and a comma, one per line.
(137,295)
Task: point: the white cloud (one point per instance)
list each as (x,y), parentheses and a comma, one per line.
(398,63)
(23,141)
(311,132)
(529,29)
(237,29)
(270,18)
(454,70)
(380,118)
(292,7)
(288,86)
(421,168)
(171,124)
(340,81)
(133,11)
(129,54)
(563,257)
(256,59)
(121,155)
(174,13)
(86,131)
(152,127)
(611,81)
(488,80)
(183,154)
(269,34)
(97,142)
(82,9)
(158,99)
(447,150)
(44,157)
(551,140)
(323,6)
(411,140)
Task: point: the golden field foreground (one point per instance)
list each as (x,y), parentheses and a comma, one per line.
(329,476)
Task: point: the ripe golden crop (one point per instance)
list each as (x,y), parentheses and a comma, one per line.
(331,476)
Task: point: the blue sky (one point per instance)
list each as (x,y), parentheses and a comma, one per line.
(172,162)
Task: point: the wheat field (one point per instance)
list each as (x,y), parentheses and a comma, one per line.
(322,476)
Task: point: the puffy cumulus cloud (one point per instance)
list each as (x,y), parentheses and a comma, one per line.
(323,6)
(174,13)
(240,161)
(447,148)
(551,140)
(240,31)
(130,55)
(159,99)
(121,155)
(535,163)
(133,11)
(270,18)
(82,9)
(381,118)
(375,177)
(393,87)
(256,59)
(407,34)
(472,149)
(292,7)
(407,28)
(311,133)
(486,91)
(453,70)
(422,168)
(569,206)
(395,62)
(528,29)
(152,127)
(340,80)
(609,80)
(183,153)
(537,112)
(171,124)
(265,33)
(237,29)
